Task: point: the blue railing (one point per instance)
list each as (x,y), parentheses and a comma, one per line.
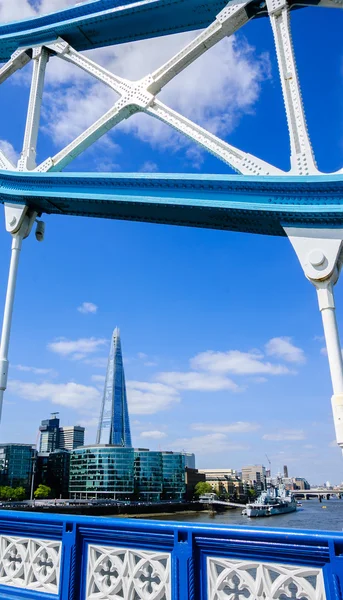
(71,558)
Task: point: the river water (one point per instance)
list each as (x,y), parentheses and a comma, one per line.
(327,515)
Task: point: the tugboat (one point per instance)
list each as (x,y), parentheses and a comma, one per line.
(275,501)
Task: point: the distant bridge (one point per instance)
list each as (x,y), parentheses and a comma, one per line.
(318,493)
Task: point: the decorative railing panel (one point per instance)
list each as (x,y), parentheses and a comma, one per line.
(68,557)
(114,572)
(32,564)
(238,579)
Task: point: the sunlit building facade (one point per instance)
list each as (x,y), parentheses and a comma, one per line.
(16,462)
(114,423)
(148,475)
(102,471)
(173,465)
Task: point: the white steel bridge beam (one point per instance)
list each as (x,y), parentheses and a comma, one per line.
(302,157)
(320,252)
(27,161)
(140,96)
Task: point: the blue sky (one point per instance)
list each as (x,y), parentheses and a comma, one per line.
(221,332)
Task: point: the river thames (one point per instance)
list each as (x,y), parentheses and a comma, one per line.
(327,515)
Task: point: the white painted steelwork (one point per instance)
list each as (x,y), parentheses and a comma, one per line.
(321,263)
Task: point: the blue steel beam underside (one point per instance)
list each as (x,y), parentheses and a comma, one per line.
(107,22)
(229,202)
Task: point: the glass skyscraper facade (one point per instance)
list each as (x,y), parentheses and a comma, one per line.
(102,472)
(174,486)
(49,434)
(114,424)
(16,462)
(148,475)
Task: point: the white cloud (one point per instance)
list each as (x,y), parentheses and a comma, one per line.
(99,362)
(211,443)
(146,361)
(154,435)
(285,434)
(71,394)
(6,147)
(35,370)
(21,9)
(237,362)
(283,348)
(238,427)
(201,382)
(148,398)
(87,307)
(149,167)
(76,349)
(98,378)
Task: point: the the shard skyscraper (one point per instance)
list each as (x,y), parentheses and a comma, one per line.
(114,423)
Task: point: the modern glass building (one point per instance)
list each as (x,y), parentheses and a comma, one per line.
(50,434)
(148,475)
(114,424)
(16,463)
(102,471)
(174,486)
(52,469)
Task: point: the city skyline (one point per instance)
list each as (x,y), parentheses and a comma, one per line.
(224,348)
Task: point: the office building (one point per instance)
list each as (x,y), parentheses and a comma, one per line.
(52,469)
(192,477)
(148,475)
(174,486)
(102,471)
(189,460)
(255,475)
(16,462)
(114,424)
(50,434)
(285,471)
(71,437)
(212,474)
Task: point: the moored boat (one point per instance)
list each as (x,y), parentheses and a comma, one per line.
(275,501)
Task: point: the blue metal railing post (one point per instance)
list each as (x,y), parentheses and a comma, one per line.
(183,579)
(71,558)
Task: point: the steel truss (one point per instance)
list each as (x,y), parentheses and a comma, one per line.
(319,251)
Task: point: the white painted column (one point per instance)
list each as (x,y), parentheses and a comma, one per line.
(19,220)
(319,252)
(9,303)
(327,308)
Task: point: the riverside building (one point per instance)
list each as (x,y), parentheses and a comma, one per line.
(16,462)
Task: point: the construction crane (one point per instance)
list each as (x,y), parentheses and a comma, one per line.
(270,464)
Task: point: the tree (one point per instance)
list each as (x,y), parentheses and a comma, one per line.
(19,493)
(43,491)
(6,492)
(251,494)
(202,487)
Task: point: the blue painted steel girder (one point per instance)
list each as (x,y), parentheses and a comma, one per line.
(229,202)
(106,22)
